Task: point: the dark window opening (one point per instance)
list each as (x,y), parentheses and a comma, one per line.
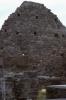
(17,33)
(18,14)
(56,35)
(62,54)
(35,33)
(5,30)
(62,35)
(36,17)
(56,20)
(1,66)
(1,48)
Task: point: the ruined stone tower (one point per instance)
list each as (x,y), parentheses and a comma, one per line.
(32,44)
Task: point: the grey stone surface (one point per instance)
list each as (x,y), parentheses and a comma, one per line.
(32,44)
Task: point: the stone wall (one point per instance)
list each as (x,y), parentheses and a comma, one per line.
(32,40)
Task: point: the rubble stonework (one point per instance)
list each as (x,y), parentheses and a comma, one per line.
(32,44)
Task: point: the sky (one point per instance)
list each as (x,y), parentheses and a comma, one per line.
(58,7)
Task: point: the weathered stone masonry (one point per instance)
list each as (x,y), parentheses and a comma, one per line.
(32,44)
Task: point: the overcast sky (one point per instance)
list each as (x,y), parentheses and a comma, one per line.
(9,6)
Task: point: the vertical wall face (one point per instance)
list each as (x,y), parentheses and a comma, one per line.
(31,40)
(18,86)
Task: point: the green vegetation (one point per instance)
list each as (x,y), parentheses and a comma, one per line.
(41,94)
